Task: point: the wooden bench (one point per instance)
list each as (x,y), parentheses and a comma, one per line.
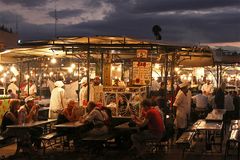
(97,143)
(185,141)
(233,140)
(50,139)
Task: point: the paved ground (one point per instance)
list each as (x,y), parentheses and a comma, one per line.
(173,152)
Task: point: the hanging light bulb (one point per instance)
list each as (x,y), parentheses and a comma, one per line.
(27,77)
(2,80)
(50,74)
(53,60)
(73,65)
(70,69)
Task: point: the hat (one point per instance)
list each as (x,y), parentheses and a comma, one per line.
(83,81)
(182,85)
(59,83)
(29,98)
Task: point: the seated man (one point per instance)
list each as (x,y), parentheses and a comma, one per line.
(29,113)
(69,113)
(10,118)
(98,117)
(153,120)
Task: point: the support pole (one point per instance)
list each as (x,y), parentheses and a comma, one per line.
(88,68)
(165,81)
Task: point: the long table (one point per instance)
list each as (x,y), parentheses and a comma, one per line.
(210,129)
(21,132)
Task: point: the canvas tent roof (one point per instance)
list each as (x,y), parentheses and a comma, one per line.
(189,55)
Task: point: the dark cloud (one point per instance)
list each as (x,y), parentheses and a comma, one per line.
(10,20)
(66,13)
(26,3)
(135,18)
(146,6)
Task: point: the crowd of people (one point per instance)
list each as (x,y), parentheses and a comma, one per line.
(98,117)
(190,104)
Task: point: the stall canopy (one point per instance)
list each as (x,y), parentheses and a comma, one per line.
(226,53)
(123,47)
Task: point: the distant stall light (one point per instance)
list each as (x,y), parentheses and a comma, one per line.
(73,65)
(14,79)
(1,68)
(53,60)
(50,74)
(2,79)
(70,69)
(228,79)
(27,77)
(19,41)
(14,70)
(4,74)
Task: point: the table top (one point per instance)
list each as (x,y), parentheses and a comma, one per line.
(75,124)
(126,126)
(216,115)
(204,125)
(32,124)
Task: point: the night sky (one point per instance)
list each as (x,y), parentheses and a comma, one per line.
(195,21)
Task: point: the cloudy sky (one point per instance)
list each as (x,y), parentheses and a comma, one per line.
(197,21)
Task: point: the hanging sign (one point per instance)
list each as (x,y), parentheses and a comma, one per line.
(142,53)
(142,73)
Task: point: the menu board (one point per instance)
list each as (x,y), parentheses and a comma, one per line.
(142,73)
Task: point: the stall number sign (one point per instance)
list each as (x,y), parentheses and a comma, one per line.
(142,73)
(141,53)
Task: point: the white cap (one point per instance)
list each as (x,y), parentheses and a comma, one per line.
(29,98)
(83,81)
(182,85)
(59,83)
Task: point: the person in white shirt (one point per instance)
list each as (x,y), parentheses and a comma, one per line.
(31,89)
(181,103)
(201,101)
(13,87)
(228,102)
(57,100)
(84,92)
(207,88)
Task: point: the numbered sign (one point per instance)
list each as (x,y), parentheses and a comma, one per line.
(142,53)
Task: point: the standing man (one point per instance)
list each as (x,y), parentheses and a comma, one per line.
(31,89)
(207,88)
(181,103)
(84,92)
(13,87)
(56,100)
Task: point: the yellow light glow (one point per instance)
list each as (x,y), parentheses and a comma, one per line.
(228,79)
(177,69)
(50,74)
(27,77)
(70,69)
(53,60)
(73,65)
(14,79)
(1,68)
(157,65)
(2,80)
